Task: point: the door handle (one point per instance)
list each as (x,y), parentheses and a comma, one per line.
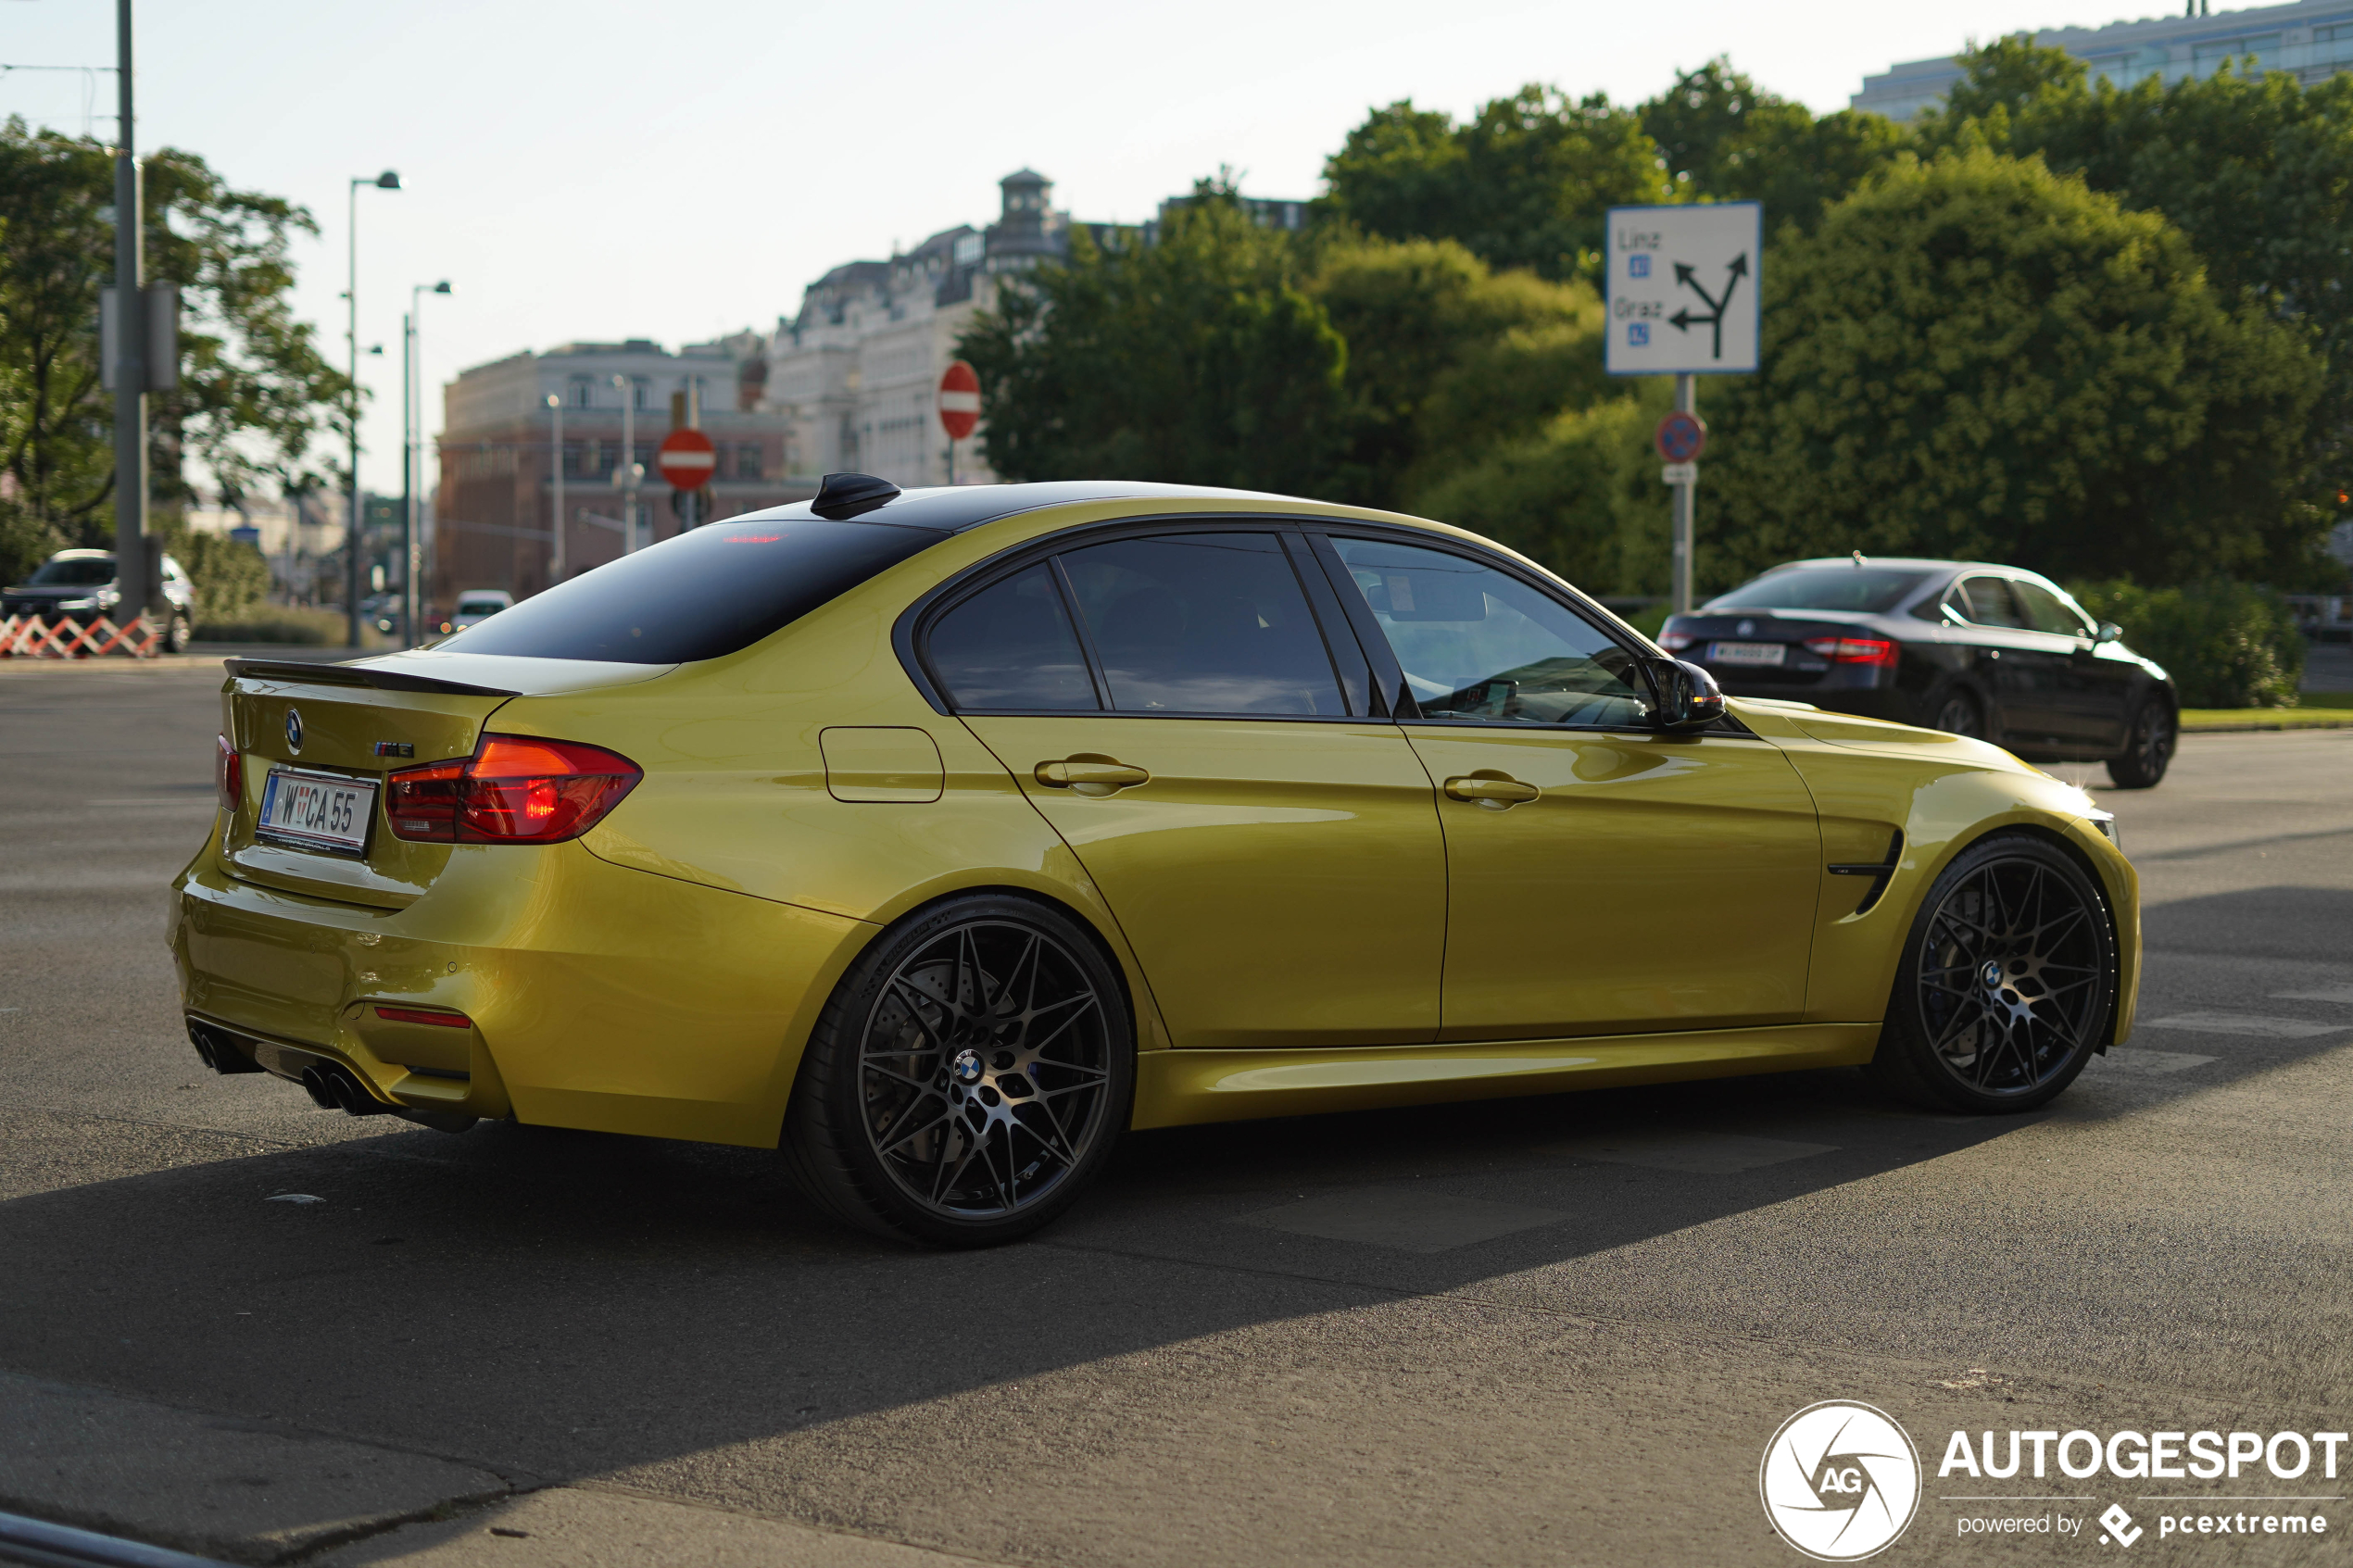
(1487,787)
(1090,774)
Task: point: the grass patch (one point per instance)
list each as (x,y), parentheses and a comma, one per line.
(2330,718)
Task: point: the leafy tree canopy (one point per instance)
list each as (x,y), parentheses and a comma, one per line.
(1726,139)
(1523,184)
(1977,357)
(253,387)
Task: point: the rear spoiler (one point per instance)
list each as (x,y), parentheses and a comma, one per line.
(302,673)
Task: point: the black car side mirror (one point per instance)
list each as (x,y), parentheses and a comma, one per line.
(1689,699)
(2109,632)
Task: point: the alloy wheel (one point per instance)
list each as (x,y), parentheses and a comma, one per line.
(2011,977)
(2153,740)
(1960,717)
(984,1070)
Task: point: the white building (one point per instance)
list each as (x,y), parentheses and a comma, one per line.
(2311,39)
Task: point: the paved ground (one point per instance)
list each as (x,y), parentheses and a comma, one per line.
(1545,1331)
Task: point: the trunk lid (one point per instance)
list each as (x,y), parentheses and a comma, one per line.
(1788,630)
(351,724)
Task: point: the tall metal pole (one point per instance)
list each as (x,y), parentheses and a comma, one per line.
(354,520)
(1685,396)
(556,557)
(131,350)
(627,472)
(407,457)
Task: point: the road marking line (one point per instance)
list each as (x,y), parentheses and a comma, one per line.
(2149,1062)
(2325,994)
(1708,1154)
(2247,1023)
(1408,1219)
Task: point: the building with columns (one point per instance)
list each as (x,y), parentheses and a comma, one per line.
(495,511)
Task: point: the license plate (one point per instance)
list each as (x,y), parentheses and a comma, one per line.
(1746,653)
(317,810)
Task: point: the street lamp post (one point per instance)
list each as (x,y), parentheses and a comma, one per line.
(556,557)
(626,475)
(411,403)
(132,587)
(355,525)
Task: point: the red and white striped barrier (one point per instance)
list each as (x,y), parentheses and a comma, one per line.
(28,636)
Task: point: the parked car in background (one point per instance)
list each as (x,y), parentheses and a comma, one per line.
(476,605)
(80,586)
(1967,646)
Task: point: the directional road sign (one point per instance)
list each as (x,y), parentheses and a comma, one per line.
(686,459)
(959,400)
(1682,288)
(1680,437)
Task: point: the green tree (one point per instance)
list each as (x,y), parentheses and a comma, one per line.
(1978,357)
(2257,170)
(253,388)
(1201,359)
(1445,355)
(1726,139)
(1524,184)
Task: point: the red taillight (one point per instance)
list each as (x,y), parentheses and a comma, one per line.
(228,776)
(514,789)
(1853,650)
(419,1015)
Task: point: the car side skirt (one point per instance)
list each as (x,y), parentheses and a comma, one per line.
(1175,1088)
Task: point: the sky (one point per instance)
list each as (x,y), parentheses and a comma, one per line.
(600,171)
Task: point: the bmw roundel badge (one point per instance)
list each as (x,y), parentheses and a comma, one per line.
(294,729)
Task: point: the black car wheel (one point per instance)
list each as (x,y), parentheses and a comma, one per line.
(1960,715)
(2008,980)
(177,635)
(2148,748)
(968,1078)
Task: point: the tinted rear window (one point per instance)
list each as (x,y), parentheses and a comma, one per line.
(83,572)
(1865,589)
(702,595)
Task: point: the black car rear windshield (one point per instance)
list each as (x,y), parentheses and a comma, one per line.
(79,572)
(702,595)
(1868,589)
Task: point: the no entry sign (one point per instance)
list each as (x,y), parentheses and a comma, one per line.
(686,459)
(959,400)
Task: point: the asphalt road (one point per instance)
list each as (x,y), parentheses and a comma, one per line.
(1542,1331)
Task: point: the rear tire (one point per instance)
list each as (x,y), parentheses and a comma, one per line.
(177,635)
(2148,746)
(2007,982)
(1960,715)
(967,1079)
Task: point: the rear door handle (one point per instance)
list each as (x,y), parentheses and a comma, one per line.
(1488,788)
(1090,776)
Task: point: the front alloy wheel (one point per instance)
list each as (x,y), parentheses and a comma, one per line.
(2009,981)
(969,1077)
(2148,749)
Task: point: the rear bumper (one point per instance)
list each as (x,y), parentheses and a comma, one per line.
(600,996)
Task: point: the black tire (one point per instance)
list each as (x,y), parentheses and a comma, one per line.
(2148,746)
(177,634)
(987,1031)
(2008,982)
(1960,714)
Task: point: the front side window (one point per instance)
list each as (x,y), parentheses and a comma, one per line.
(1985,601)
(1010,647)
(1210,622)
(2045,611)
(1480,644)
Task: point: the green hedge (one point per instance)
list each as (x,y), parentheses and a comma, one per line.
(2226,645)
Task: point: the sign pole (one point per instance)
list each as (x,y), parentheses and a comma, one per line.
(1686,493)
(130,373)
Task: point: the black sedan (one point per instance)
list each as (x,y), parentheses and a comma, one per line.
(1967,646)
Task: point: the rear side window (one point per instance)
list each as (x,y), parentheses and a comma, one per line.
(706,592)
(1985,601)
(2048,612)
(1010,645)
(1203,623)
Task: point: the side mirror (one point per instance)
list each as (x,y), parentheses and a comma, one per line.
(2109,632)
(1689,699)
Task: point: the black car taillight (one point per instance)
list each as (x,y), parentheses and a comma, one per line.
(514,789)
(228,776)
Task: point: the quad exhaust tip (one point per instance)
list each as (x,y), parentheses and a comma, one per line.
(331,1087)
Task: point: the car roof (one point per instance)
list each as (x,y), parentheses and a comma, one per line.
(1907,563)
(955,508)
(83,554)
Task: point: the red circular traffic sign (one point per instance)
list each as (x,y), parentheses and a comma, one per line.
(959,400)
(1680,437)
(686,459)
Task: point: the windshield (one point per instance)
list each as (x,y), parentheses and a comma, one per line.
(480,606)
(84,571)
(708,591)
(1871,590)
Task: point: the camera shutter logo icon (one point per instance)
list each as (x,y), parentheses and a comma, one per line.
(1840,1481)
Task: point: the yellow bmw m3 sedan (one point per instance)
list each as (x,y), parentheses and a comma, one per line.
(941,838)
